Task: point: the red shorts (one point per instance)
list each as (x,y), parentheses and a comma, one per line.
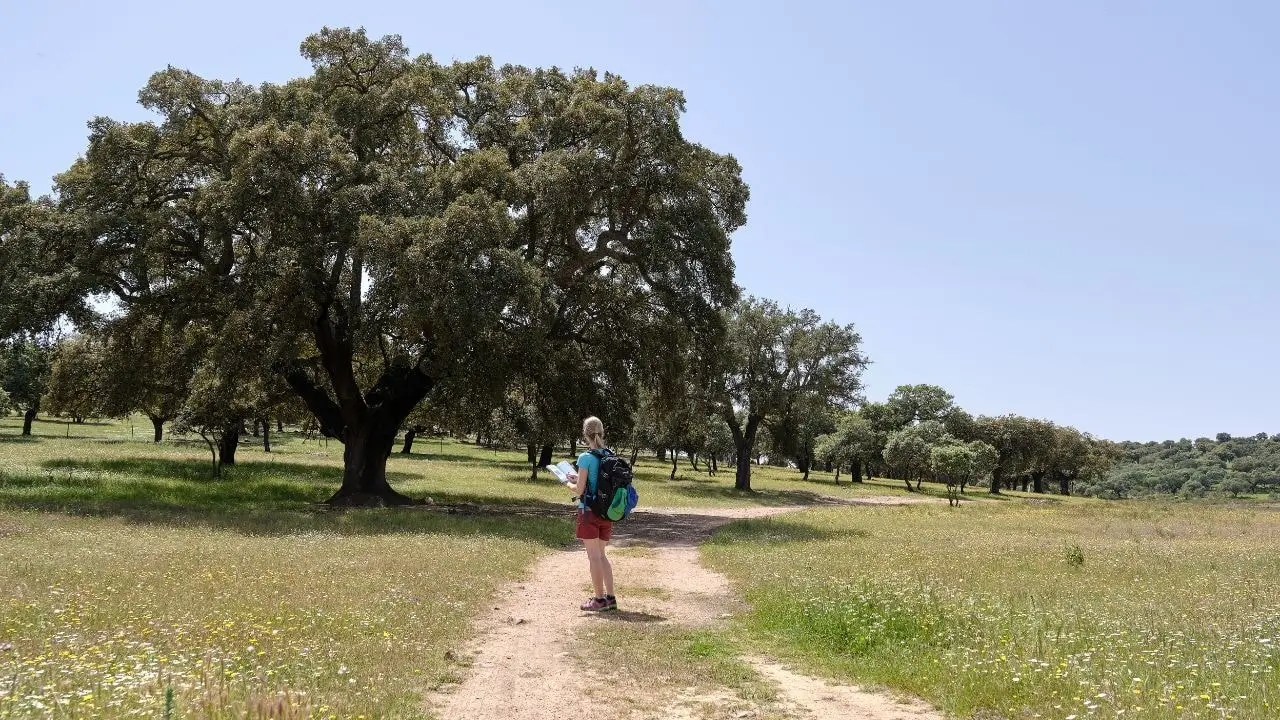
(593,527)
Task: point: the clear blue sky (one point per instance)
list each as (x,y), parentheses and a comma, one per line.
(1068,210)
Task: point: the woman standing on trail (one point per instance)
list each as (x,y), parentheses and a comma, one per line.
(593,530)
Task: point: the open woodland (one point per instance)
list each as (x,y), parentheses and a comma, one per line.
(280,365)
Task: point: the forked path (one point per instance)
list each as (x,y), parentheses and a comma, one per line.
(521,665)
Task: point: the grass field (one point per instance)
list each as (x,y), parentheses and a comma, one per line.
(126,573)
(1025,610)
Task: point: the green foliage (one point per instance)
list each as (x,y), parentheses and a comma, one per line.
(775,359)
(77,386)
(1233,466)
(1073,555)
(24,371)
(405,223)
(909,404)
(38,283)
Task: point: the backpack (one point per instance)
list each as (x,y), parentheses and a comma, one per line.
(615,496)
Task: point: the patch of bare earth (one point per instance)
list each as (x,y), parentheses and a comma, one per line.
(522,667)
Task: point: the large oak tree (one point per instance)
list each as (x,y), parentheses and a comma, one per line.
(392,223)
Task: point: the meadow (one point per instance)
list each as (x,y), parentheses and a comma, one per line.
(133,585)
(1025,610)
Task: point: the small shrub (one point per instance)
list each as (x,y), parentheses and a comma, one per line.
(1074,555)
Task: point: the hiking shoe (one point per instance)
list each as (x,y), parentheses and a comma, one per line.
(610,603)
(595,605)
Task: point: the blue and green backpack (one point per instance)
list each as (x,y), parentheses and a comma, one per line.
(615,494)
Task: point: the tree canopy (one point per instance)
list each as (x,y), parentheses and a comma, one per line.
(442,223)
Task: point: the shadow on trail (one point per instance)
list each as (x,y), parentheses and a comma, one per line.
(629,616)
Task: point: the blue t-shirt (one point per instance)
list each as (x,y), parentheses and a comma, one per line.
(590,463)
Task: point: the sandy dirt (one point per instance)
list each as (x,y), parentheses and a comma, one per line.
(521,666)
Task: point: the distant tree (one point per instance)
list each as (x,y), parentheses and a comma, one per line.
(38,283)
(909,404)
(1022,447)
(953,463)
(76,387)
(774,356)
(853,443)
(796,430)
(25,364)
(148,363)
(909,450)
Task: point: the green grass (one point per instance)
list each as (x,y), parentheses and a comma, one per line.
(127,572)
(699,669)
(1025,611)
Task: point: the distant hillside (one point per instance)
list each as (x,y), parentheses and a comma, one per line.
(1232,466)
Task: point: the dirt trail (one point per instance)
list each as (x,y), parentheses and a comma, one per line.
(522,668)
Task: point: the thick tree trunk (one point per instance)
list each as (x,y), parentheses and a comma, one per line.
(229,442)
(266,434)
(712,466)
(742,478)
(1037,481)
(745,443)
(255,428)
(996,479)
(279,425)
(573,447)
(1025,480)
(542,460)
(674,457)
(804,464)
(364,461)
(366,423)
(837,477)
(532,451)
(409,435)
(27,418)
(855,471)
(157,424)
(1064,484)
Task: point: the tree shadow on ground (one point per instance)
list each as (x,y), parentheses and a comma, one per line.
(629,616)
(4,438)
(456,457)
(65,421)
(779,530)
(189,469)
(262,498)
(768,498)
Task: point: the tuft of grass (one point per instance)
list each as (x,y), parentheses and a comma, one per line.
(1073,555)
